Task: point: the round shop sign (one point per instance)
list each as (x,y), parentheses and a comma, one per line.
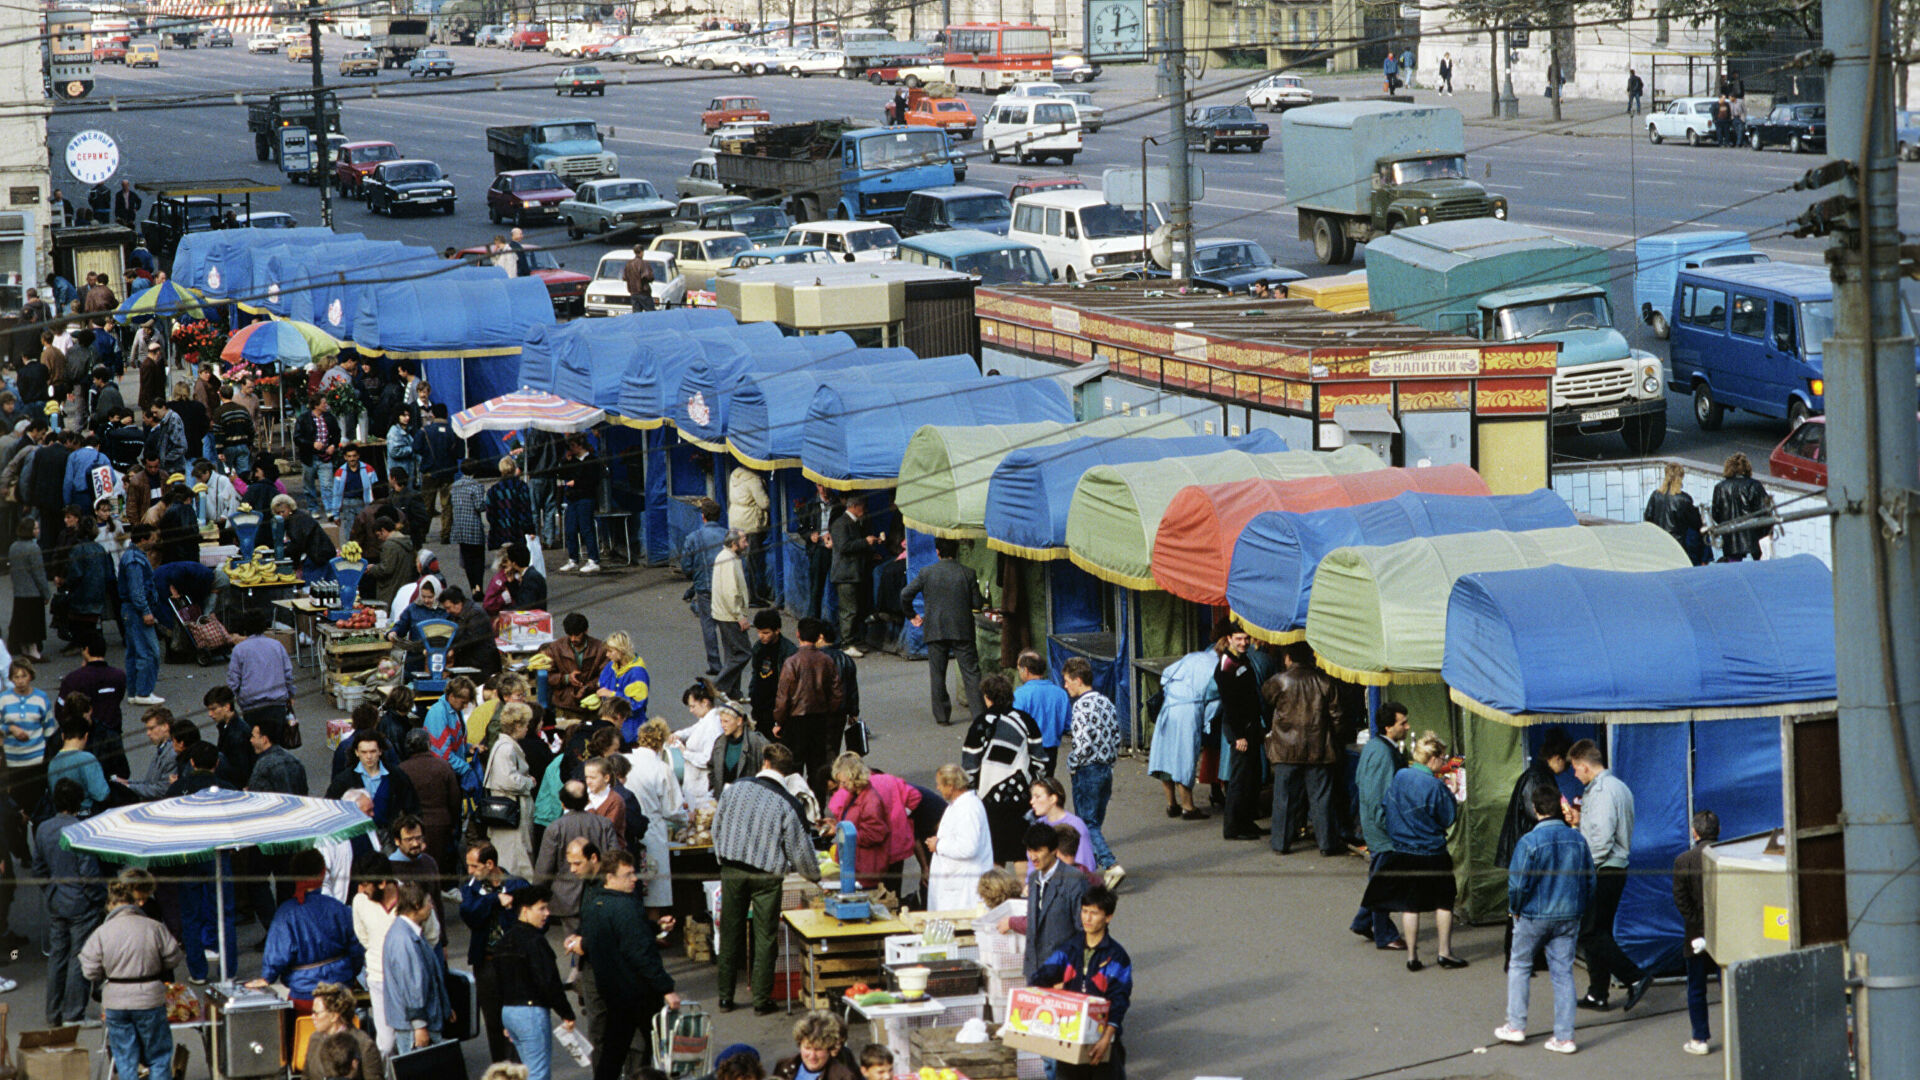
(213,278)
(93,157)
(697,410)
(335,313)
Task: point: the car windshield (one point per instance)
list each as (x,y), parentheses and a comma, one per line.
(540,181)
(638,189)
(1104,221)
(979,208)
(873,239)
(1446,167)
(1554,316)
(580,132)
(414,173)
(758,219)
(542,260)
(433,54)
(950,106)
(1231,257)
(364,154)
(901,149)
(612,268)
(270,221)
(1006,266)
(725,247)
(1055,113)
(581,72)
(1229,112)
(1810,112)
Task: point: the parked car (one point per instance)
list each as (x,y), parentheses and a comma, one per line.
(688,212)
(523,196)
(109,52)
(1689,118)
(1028,185)
(958,206)
(266,219)
(761,224)
(292,32)
(1800,128)
(1091,116)
(409,183)
(300,52)
(739,129)
(1227,127)
(852,241)
(700,179)
(263,43)
(952,114)
(144,54)
(806,62)
(567,289)
(1908,134)
(1034,90)
(602,206)
(1802,455)
(491,36)
(1233,266)
(994,260)
(360,62)
(430,62)
(732,108)
(782,254)
(219,37)
(529,38)
(1083,236)
(1074,68)
(355,160)
(1031,129)
(580,79)
(699,253)
(1278,93)
(607,292)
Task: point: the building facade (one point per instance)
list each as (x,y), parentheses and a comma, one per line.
(25,225)
(1672,56)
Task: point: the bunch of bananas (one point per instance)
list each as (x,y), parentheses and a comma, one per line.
(260,570)
(350,551)
(540,662)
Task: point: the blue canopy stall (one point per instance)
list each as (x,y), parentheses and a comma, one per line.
(699,409)
(1692,671)
(856,434)
(219,262)
(767,412)
(322,285)
(284,267)
(1271,578)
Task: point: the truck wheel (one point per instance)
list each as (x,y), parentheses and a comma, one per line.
(873,77)
(1797,413)
(1707,412)
(993,153)
(1652,135)
(1066,159)
(1659,324)
(1644,434)
(1330,243)
(1081,76)
(262,147)
(913,82)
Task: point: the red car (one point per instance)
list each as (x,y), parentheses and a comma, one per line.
(523,195)
(567,288)
(110,52)
(529,38)
(356,160)
(730,109)
(1802,455)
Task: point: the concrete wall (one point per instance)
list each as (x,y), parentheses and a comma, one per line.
(23,132)
(1618,490)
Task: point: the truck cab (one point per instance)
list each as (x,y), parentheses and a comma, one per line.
(569,146)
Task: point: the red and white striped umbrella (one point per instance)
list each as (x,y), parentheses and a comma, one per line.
(525,409)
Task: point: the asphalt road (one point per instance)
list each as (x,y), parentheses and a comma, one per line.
(1606,187)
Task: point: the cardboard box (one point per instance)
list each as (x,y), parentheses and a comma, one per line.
(1064,1052)
(54,1055)
(523,630)
(1056,1015)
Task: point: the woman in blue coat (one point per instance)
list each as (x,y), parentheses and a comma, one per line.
(1190,700)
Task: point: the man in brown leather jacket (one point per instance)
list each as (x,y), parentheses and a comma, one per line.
(1304,748)
(807,707)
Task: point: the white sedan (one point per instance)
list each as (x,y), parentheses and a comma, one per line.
(804,62)
(263,43)
(1687,118)
(1277,92)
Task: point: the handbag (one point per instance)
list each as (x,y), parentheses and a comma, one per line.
(859,738)
(434,1061)
(291,737)
(497,811)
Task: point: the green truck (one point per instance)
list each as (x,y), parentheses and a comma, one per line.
(1498,281)
(289,108)
(1357,170)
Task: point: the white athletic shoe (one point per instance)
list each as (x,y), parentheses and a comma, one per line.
(589,567)
(1697,1047)
(568,567)
(1559,1047)
(1508,1034)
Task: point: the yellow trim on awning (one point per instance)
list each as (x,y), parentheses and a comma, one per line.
(1643,716)
(1137,584)
(441,354)
(1376,678)
(835,483)
(1261,633)
(712,447)
(642,425)
(1046,554)
(761,463)
(941,532)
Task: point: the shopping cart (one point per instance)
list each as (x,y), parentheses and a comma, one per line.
(196,633)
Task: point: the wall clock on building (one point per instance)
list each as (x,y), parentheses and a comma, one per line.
(1116,30)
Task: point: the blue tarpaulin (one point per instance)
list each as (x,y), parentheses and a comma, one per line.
(702,409)
(653,372)
(767,413)
(285,270)
(1271,579)
(452,316)
(1554,639)
(1032,487)
(219,262)
(856,434)
(323,284)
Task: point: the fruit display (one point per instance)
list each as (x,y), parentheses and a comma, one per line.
(363,618)
(863,995)
(260,570)
(928,1072)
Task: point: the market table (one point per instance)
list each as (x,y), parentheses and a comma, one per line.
(307,615)
(838,954)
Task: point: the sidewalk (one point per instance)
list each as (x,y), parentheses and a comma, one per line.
(1583,117)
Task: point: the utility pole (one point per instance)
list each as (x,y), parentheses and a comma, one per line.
(1493,67)
(1876,553)
(322,169)
(1173,71)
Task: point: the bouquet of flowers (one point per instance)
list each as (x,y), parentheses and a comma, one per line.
(1453,773)
(199,341)
(345,401)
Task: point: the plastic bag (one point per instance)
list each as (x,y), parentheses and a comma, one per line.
(575,1044)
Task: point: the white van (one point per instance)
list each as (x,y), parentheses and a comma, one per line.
(848,241)
(1032,129)
(1083,236)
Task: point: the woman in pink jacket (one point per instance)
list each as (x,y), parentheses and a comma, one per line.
(881,809)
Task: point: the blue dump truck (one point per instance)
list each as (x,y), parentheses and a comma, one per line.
(833,169)
(570,147)
(1498,281)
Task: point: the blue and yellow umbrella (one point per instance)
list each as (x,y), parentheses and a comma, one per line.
(165,299)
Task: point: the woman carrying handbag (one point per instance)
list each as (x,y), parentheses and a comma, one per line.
(507,809)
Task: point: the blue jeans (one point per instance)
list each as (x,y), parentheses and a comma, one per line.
(544,509)
(1558,936)
(206,446)
(67,987)
(143,654)
(310,487)
(532,1038)
(199,933)
(580,530)
(1092,787)
(1377,923)
(239,459)
(1699,967)
(140,1037)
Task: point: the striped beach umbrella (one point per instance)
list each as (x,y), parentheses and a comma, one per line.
(524,409)
(165,299)
(192,828)
(279,341)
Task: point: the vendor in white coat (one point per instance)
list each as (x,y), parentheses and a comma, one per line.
(652,782)
(697,741)
(747,511)
(962,849)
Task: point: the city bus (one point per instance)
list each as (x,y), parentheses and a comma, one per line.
(989,57)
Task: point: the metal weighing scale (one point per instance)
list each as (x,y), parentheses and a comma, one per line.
(851,903)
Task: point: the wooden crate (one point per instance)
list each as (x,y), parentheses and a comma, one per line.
(835,969)
(934,1047)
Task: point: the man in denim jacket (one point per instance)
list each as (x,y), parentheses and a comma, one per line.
(1549,884)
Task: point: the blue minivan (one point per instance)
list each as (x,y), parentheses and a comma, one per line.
(995,260)
(1750,337)
(1657,260)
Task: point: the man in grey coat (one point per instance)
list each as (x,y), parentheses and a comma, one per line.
(550,866)
(851,548)
(75,898)
(953,595)
(130,956)
(1054,892)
